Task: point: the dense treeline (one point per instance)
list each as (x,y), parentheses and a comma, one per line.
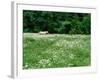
(56,22)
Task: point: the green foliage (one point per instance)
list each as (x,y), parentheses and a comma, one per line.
(57,50)
(56,22)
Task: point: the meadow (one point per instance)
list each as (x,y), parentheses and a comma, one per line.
(56,50)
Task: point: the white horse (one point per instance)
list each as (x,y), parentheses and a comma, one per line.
(43,32)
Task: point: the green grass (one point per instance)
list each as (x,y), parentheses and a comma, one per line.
(55,51)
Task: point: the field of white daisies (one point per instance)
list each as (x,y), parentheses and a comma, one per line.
(55,50)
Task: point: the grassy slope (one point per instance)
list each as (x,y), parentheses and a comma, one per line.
(57,50)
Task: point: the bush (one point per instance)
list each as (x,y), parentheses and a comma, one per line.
(56,22)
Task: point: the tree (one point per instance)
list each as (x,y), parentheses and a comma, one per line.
(56,22)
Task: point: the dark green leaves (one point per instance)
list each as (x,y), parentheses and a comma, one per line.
(56,22)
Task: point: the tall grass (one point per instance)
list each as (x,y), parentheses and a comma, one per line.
(55,50)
